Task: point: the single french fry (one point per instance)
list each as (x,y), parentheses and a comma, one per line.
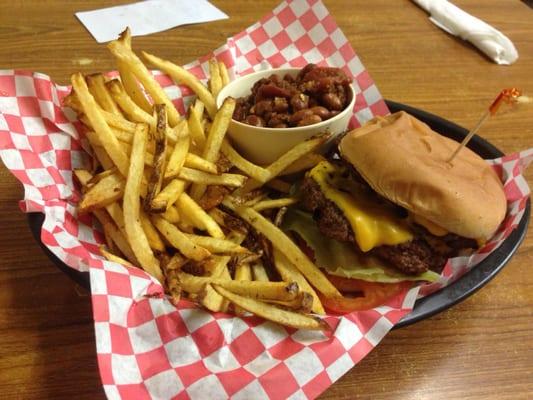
(223,73)
(167,196)
(182,76)
(131,85)
(96,85)
(195,128)
(105,136)
(179,153)
(199,108)
(243,272)
(154,240)
(127,56)
(187,206)
(303,164)
(159,164)
(289,273)
(178,239)
(272,313)
(132,203)
(125,102)
(218,246)
(288,158)
(258,173)
(259,272)
(104,174)
(196,162)
(108,190)
(116,213)
(286,246)
(277,203)
(193,175)
(215,80)
(252,289)
(83,176)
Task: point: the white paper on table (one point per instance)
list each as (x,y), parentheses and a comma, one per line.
(455,21)
(147,17)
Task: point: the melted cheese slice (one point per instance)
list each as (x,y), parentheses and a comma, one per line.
(373,224)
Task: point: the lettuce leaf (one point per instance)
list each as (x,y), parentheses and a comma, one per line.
(343,259)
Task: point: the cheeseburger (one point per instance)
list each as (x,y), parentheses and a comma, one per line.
(391,197)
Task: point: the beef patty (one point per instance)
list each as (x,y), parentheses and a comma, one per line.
(425,252)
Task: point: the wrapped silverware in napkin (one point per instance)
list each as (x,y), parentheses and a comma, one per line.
(455,21)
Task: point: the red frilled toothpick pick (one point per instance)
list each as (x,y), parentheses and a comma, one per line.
(509,96)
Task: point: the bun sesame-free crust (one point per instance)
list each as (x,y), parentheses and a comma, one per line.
(405,161)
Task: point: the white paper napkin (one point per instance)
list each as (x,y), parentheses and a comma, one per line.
(147,17)
(459,23)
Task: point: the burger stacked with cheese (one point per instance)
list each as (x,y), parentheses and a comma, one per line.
(392,200)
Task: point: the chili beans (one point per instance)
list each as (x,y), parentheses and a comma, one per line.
(314,95)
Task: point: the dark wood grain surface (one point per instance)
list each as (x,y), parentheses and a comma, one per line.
(479,349)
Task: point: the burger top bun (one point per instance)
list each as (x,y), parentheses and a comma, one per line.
(403,160)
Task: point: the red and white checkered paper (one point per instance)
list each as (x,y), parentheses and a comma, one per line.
(146,347)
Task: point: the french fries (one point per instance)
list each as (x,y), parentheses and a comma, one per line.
(132,204)
(157,181)
(158,170)
(182,76)
(272,313)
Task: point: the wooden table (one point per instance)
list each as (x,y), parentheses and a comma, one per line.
(479,349)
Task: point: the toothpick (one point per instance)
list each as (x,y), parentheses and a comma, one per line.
(509,96)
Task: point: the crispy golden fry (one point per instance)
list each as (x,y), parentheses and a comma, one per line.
(258,173)
(223,73)
(178,240)
(215,245)
(196,162)
(214,139)
(272,313)
(277,203)
(243,272)
(96,85)
(302,303)
(114,258)
(187,206)
(179,153)
(288,158)
(182,76)
(117,236)
(71,100)
(259,272)
(215,80)
(135,65)
(253,289)
(131,85)
(199,108)
(279,185)
(158,171)
(125,102)
(193,175)
(289,273)
(303,164)
(286,246)
(168,196)
(105,136)
(195,128)
(106,191)
(154,240)
(132,204)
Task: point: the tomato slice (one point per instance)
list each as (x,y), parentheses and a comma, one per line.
(371,294)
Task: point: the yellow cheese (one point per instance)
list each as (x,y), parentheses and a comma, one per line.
(372,224)
(432,227)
